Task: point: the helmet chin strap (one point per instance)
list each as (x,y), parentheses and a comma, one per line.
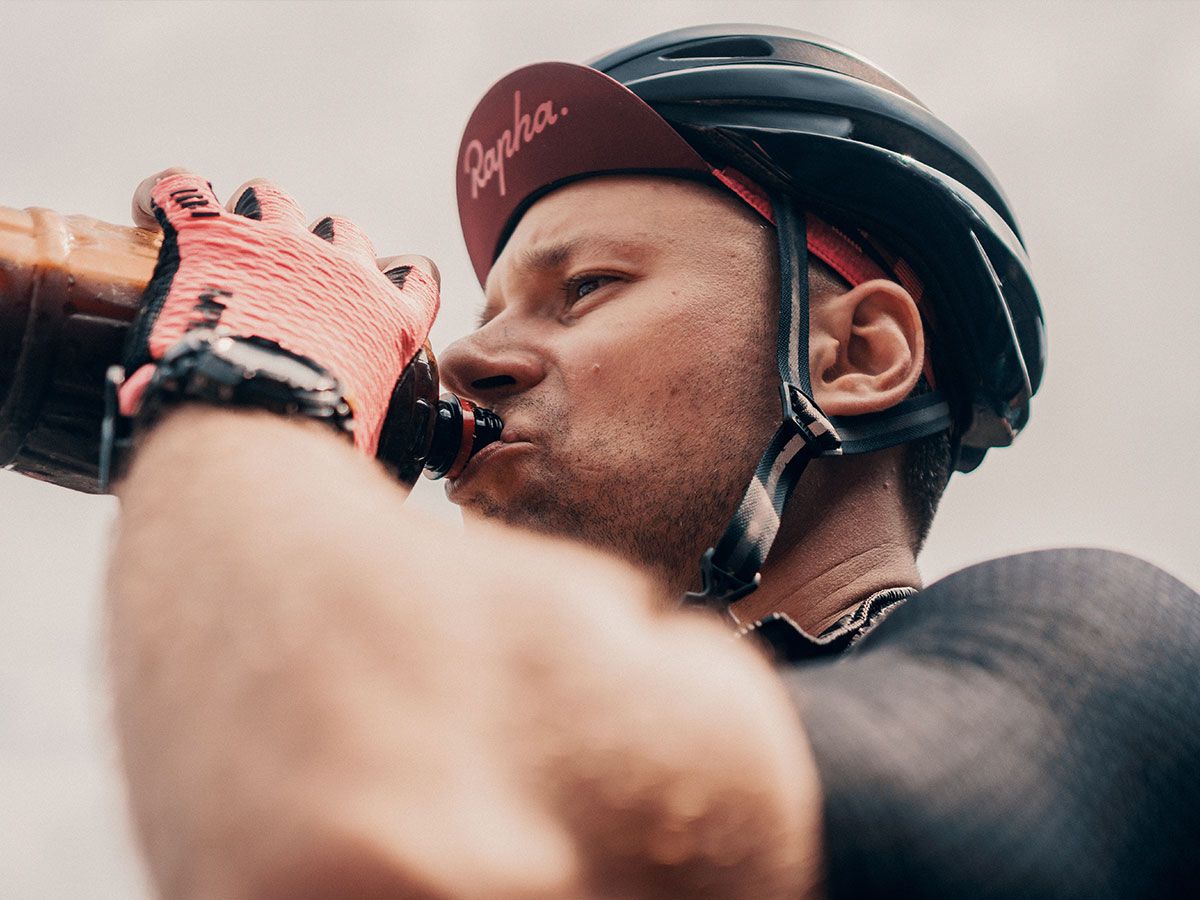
(732,568)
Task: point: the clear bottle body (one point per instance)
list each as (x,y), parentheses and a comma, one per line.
(69,287)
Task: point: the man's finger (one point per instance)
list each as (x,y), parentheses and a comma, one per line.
(265,201)
(345,234)
(397,268)
(143,215)
(186,198)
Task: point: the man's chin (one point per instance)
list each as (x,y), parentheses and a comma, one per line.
(570,524)
(525,509)
(509,511)
(482,509)
(479,500)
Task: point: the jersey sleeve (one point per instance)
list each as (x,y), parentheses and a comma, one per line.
(1028,727)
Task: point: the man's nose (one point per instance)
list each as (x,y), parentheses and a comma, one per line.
(487,367)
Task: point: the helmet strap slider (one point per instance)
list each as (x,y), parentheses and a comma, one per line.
(809,423)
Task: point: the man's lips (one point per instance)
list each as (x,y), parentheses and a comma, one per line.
(510,440)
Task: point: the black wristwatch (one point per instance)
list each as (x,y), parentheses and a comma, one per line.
(212,366)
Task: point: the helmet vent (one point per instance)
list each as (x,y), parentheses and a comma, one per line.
(723,48)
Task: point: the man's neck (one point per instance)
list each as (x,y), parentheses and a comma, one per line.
(823,564)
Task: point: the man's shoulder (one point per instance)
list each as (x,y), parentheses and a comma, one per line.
(1099,604)
(1028,726)
(1072,570)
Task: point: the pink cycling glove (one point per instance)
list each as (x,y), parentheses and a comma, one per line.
(258,272)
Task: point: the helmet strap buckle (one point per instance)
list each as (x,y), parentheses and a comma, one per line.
(805,419)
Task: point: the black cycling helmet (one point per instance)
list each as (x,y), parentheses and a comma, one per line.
(818,129)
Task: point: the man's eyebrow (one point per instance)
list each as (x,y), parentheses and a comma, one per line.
(557,254)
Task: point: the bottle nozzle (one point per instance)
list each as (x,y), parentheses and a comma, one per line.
(460,430)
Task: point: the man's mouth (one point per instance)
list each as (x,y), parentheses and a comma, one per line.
(510,442)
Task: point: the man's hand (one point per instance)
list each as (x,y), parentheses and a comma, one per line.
(319,694)
(253,270)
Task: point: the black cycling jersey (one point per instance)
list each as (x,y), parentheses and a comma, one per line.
(1027,727)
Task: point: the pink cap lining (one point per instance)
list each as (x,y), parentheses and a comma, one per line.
(829,244)
(833,246)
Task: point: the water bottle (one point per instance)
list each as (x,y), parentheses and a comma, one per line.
(69,288)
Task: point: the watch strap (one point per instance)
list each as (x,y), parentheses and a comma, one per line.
(209,366)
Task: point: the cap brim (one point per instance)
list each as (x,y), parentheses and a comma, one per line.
(543,126)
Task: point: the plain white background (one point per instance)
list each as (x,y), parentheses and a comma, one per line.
(1087,113)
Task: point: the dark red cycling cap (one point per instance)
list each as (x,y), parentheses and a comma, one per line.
(547,124)
(551,123)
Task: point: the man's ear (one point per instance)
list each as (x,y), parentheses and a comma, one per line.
(866,348)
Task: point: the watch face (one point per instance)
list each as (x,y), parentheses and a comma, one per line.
(274,363)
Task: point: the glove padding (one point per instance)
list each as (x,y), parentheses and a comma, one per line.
(256,271)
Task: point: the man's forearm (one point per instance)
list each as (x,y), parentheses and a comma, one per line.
(259,679)
(306,692)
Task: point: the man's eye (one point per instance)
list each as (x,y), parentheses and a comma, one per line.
(581,285)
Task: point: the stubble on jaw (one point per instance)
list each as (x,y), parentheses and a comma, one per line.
(658,515)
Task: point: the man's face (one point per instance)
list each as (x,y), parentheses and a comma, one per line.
(627,342)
